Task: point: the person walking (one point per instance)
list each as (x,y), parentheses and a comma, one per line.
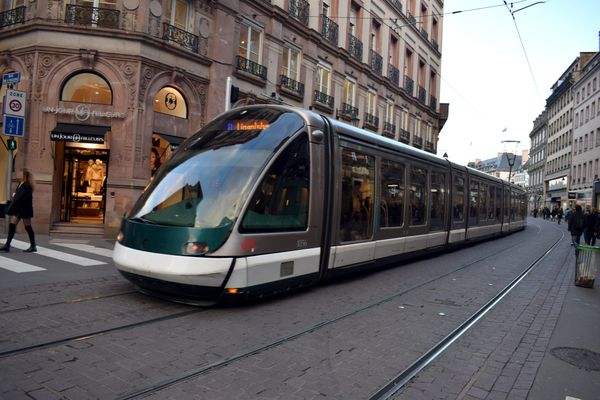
(589,233)
(559,215)
(21,208)
(576,225)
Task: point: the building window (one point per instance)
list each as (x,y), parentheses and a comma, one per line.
(371,103)
(323,77)
(177,13)
(170,101)
(87,87)
(250,43)
(349,91)
(290,63)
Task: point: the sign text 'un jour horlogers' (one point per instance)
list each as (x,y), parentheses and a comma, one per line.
(76,137)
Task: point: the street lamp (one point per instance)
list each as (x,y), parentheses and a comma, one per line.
(509,159)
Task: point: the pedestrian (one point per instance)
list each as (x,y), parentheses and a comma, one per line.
(589,233)
(576,225)
(559,214)
(21,208)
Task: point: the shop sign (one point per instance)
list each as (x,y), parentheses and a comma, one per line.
(83,112)
(572,195)
(76,137)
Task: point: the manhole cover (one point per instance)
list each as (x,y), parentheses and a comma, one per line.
(581,358)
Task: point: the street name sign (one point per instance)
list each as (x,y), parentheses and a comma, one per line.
(11,77)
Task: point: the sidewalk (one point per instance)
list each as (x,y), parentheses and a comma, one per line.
(570,368)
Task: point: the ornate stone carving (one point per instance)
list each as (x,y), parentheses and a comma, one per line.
(129,70)
(45,63)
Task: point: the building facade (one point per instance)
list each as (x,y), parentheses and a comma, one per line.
(113,85)
(586,134)
(537,161)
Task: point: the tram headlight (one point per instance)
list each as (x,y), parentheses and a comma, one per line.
(120,237)
(195,248)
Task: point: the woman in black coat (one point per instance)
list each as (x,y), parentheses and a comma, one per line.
(21,208)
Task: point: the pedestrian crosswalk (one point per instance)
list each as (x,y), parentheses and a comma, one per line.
(19,265)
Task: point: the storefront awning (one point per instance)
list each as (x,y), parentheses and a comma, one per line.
(174,141)
(79,133)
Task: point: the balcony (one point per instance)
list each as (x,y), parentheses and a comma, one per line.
(435,44)
(299,10)
(183,38)
(12,17)
(418,142)
(404,136)
(389,128)
(409,85)
(323,99)
(424,34)
(291,85)
(376,62)
(422,96)
(329,30)
(371,122)
(250,67)
(411,19)
(429,146)
(355,47)
(92,16)
(393,74)
(348,112)
(397,4)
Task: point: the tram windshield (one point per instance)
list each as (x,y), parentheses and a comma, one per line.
(208,179)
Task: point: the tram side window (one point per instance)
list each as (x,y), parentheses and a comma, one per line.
(438,201)
(483,201)
(418,196)
(281,201)
(492,203)
(358,192)
(498,203)
(392,194)
(474,204)
(458,200)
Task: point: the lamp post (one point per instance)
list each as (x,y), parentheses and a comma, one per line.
(509,159)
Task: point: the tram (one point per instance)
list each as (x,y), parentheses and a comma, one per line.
(268,198)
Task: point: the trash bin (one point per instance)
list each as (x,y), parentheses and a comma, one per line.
(586,265)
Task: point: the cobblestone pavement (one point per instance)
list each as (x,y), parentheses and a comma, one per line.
(343,340)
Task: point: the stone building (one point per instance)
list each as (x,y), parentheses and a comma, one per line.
(114,84)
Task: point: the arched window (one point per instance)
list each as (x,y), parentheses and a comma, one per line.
(170,101)
(87,87)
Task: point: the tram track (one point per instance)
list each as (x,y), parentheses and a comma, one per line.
(207,369)
(387,391)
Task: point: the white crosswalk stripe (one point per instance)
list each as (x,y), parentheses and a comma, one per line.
(19,266)
(87,248)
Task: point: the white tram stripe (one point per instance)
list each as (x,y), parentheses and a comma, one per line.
(18,266)
(59,255)
(88,248)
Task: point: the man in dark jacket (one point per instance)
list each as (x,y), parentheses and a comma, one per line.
(576,225)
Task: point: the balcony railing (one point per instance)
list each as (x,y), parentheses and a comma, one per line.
(404,136)
(429,146)
(355,47)
(329,30)
(85,15)
(11,17)
(417,142)
(183,38)
(292,85)
(435,44)
(397,4)
(389,127)
(299,9)
(433,103)
(394,74)
(376,62)
(349,112)
(422,95)
(424,34)
(409,85)
(371,121)
(323,98)
(245,65)
(411,19)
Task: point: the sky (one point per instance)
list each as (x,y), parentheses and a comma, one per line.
(497,83)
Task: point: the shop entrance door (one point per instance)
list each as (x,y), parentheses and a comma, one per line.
(84,185)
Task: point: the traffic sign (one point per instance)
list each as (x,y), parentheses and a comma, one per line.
(11,77)
(14,103)
(13,125)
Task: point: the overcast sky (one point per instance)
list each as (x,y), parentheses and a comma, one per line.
(495,88)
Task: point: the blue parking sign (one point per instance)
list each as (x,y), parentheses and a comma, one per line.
(14,126)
